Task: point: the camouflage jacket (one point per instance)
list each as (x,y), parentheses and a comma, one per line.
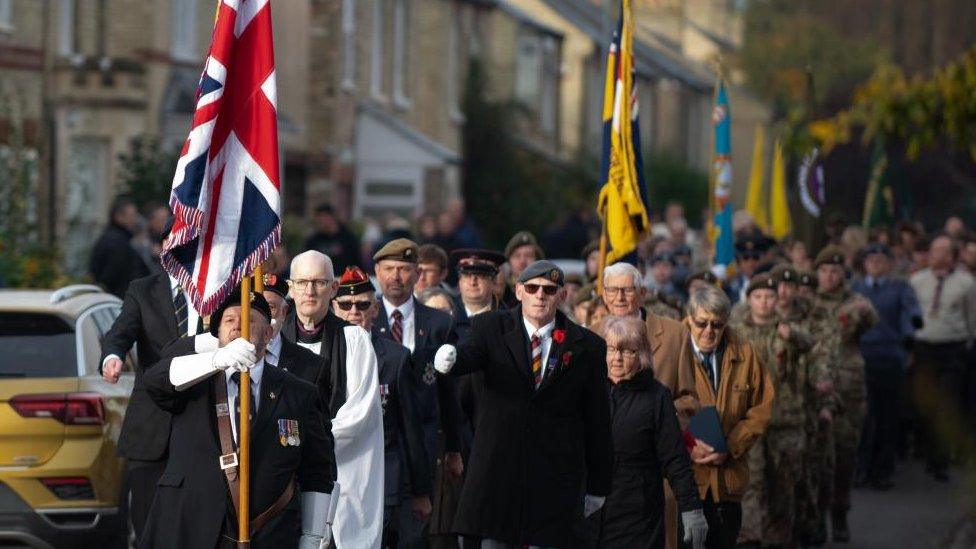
(851,315)
(823,330)
(783,360)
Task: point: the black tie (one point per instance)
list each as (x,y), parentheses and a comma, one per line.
(236,378)
(179,303)
(707,362)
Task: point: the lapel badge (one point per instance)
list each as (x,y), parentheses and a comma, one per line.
(429,376)
(420,333)
(384,395)
(272,395)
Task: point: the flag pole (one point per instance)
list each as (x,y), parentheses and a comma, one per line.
(244,426)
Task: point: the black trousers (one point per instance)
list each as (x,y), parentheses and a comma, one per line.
(724,521)
(939,387)
(143,476)
(879,439)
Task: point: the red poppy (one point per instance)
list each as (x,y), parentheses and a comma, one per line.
(559,336)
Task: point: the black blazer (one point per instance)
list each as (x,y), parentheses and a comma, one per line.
(437,396)
(149,319)
(114,263)
(536,453)
(192,499)
(402,424)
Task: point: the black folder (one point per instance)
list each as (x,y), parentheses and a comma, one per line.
(705,426)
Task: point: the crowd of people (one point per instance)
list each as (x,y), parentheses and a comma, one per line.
(450,395)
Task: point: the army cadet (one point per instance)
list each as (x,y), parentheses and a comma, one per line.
(700,278)
(853,315)
(521,250)
(775,468)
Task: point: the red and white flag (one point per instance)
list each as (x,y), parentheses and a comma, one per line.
(225,193)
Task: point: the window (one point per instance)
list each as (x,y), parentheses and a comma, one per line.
(348,44)
(537,77)
(401,47)
(376,60)
(6,14)
(38,345)
(66,28)
(184,30)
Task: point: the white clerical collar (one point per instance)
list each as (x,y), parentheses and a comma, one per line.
(472,312)
(542,332)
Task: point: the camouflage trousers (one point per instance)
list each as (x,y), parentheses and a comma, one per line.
(847,426)
(818,458)
(769,503)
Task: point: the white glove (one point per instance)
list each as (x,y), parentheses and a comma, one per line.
(204,343)
(592,504)
(696,528)
(445,358)
(239,354)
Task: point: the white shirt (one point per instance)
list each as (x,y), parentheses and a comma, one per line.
(545,340)
(406,309)
(192,316)
(711,363)
(471,312)
(256,374)
(273,351)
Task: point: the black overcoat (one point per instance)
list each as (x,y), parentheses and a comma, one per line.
(192,498)
(536,453)
(647,447)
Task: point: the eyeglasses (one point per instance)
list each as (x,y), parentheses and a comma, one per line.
(302,283)
(715,324)
(360,305)
(549,289)
(627,353)
(628,291)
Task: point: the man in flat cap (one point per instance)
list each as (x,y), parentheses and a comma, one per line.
(407,466)
(349,391)
(292,464)
(422,330)
(542,452)
(853,315)
(885,348)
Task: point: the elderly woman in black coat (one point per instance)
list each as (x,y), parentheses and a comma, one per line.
(647,447)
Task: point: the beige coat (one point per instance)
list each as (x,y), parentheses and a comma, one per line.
(744,403)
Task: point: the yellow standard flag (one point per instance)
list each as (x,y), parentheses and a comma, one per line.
(756,199)
(781,223)
(622,203)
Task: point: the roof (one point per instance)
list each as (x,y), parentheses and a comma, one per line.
(402,129)
(76,300)
(650,60)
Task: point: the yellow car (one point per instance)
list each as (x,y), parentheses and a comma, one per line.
(61,481)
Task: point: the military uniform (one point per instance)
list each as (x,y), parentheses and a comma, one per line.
(775,465)
(852,315)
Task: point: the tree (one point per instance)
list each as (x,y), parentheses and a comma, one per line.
(508,186)
(146,170)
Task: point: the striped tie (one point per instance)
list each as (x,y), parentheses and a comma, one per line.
(537,360)
(397,328)
(179,303)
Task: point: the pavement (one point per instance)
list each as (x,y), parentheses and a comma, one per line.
(918,513)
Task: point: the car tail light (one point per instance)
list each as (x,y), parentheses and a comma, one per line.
(68,408)
(69,487)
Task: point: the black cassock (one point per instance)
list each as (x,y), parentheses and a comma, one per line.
(536,453)
(192,501)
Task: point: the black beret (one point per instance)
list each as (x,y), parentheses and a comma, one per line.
(258,304)
(354,281)
(545,269)
(277,284)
